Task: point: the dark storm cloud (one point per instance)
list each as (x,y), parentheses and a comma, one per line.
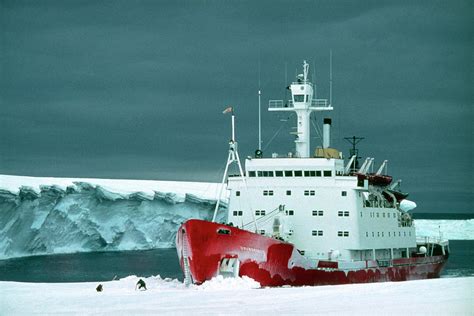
(135,89)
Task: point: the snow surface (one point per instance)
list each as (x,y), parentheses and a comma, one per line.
(60,215)
(238,297)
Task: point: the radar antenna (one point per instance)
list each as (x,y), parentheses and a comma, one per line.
(354,140)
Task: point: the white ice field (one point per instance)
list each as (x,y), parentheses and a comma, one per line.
(450,296)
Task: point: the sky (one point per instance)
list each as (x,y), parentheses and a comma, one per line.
(136,89)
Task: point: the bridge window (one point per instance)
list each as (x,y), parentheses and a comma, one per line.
(237,193)
(288,192)
(298,98)
(327,173)
(279,173)
(298,173)
(290,212)
(252,174)
(344,193)
(288,173)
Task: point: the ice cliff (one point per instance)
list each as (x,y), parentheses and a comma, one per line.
(48,215)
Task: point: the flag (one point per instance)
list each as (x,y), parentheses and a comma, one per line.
(227,110)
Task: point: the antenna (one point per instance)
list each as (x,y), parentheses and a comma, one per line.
(313,79)
(259,109)
(330,77)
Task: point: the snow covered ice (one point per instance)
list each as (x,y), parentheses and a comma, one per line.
(59,215)
(238,297)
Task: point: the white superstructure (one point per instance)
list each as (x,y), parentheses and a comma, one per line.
(314,201)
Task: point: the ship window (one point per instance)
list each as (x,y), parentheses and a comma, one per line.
(301,252)
(309,192)
(344,193)
(373,234)
(320,213)
(267,192)
(377,214)
(317,232)
(388,234)
(298,97)
(262,212)
(378,234)
(288,173)
(383,214)
(346,213)
(327,173)
(320,232)
(366,234)
(279,173)
(346,234)
(237,193)
(223,231)
(252,174)
(262,232)
(388,215)
(340,213)
(382,234)
(288,192)
(290,212)
(339,233)
(257,212)
(237,213)
(298,173)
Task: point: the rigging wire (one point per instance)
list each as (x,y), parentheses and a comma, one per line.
(277,132)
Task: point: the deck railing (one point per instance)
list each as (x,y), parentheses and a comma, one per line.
(280,104)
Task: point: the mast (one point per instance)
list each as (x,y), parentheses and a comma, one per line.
(303,104)
(354,140)
(233,157)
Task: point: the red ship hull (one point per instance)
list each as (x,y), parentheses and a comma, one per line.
(204,246)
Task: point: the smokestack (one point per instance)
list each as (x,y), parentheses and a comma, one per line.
(326,133)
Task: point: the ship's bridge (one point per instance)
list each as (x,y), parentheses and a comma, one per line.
(291,167)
